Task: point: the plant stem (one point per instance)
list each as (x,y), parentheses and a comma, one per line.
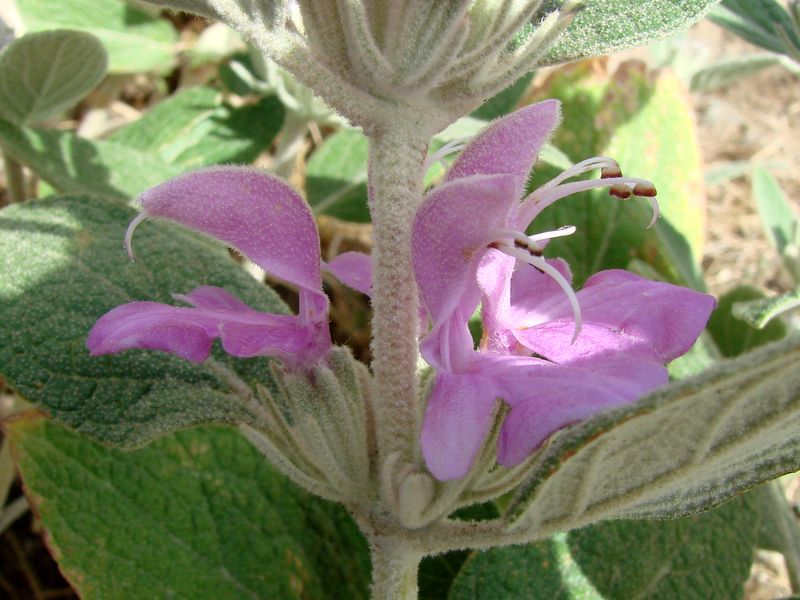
(394,569)
(293,134)
(789,532)
(15,179)
(395,187)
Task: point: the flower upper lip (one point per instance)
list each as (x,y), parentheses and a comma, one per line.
(263,218)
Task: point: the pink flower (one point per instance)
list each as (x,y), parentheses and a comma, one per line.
(266,220)
(555,357)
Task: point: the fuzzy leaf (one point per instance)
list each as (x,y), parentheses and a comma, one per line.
(780,221)
(735,336)
(336,177)
(194,129)
(725,72)
(134,40)
(703,557)
(607,26)
(505,101)
(760,313)
(736,425)
(76,165)
(198,514)
(541,571)
(42,74)
(757,21)
(63,267)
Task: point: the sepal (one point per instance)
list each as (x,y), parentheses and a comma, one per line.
(317,427)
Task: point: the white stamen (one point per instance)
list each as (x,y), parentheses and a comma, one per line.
(449,148)
(590,164)
(541,264)
(543,197)
(129,233)
(556,233)
(532,241)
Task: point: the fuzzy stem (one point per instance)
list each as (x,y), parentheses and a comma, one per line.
(395,564)
(293,133)
(395,190)
(15,179)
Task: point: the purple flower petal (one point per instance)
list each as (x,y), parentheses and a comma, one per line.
(536,295)
(451,230)
(209,296)
(354,269)
(189,332)
(255,213)
(509,145)
(449,347)
(151,326)
(494,279)
(665,317)
(549,406)
(457,420)
(546,397)
(668,317)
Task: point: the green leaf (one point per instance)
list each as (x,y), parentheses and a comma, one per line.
(727,171)
(700,357)
(336,177)
(194,129)
(76,165)
(237,74)
(607,26)
(725,72)
(505,101)
(134,40)
(541,571)
(760,312)
(63,267)
(736,425)
(735,336)
(777,216)
(658,140)
(647,126)
(199,514)
(757,21)
(779,530)
(42,74)
(703,557)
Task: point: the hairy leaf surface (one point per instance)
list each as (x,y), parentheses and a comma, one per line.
(44,73)
(76,165)
(135,41)
(194,129)
(608,26)
(734,426)
(63,267)
(198,514)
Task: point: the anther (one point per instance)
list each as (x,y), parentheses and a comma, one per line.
(610,172)
(648,190)
(620,190)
